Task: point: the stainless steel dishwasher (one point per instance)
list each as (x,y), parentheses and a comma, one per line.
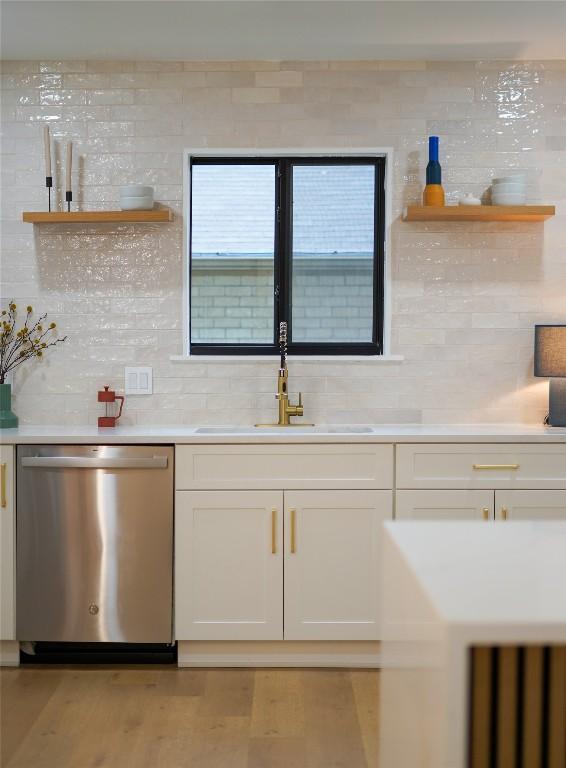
(94,543)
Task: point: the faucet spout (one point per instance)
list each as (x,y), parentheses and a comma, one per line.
(283,344)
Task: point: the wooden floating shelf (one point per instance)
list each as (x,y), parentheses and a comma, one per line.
(478,213)
(95,217)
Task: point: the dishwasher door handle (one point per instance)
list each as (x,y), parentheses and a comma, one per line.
(83,462)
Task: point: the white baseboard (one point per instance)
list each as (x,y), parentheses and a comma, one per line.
(9,653)
(199,653)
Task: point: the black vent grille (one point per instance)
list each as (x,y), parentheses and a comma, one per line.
(517,707)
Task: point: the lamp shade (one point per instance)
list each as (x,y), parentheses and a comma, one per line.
(550,350)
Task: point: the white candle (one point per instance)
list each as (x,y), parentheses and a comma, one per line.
(69,164)
(47,145)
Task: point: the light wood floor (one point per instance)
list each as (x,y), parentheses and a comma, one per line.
(162,717)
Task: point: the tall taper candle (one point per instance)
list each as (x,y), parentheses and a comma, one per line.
(69,165)
(47,145)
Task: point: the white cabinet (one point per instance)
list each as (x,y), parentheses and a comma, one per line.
(7,543)
(444,505)
(282,542)
(481,465)
(530,505)
(478,505)
(499,481)
(332,563)
(250,466)
(231,582)
(237,509)
(229,565)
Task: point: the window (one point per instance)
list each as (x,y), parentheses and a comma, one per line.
(296,239)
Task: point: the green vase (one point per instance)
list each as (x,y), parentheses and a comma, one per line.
(8,419)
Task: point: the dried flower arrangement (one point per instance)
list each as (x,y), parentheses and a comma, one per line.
(30,341)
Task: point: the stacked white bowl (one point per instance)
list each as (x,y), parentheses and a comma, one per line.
(509,190)
(136,197)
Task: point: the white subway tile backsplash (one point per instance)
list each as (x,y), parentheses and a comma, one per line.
(282,79)
(258,95)
(465,297)
(110,97)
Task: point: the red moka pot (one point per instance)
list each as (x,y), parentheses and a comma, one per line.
(108,396)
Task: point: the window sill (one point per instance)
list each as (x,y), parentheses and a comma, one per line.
(271,359)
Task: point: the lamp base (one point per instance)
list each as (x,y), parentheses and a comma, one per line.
(557,403)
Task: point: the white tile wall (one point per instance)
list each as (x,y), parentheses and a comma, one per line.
(465,296)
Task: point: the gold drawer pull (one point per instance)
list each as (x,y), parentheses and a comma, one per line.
(293,513)
(504,513)
(485,512)
(273,531)
(512,467)
(3,502)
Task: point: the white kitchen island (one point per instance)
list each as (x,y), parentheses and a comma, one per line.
(474,624)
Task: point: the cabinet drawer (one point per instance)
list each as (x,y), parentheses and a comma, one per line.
(504,465)
(234,467)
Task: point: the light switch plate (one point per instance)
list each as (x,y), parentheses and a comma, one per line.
(138,380)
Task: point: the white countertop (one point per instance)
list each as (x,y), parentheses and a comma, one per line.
(386,433)
(501,575)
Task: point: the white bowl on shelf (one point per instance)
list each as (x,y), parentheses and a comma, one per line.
(515,182)
(512,181)
(518,176)
(137,203)
(508,189)
(509,183)
(508,198)
(136,190)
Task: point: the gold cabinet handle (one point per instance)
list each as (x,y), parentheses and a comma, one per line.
(293,513)
(3,501)
(504,513)
(485,512)
(512,467)
(274,531)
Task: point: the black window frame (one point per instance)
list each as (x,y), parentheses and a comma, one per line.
(283,257)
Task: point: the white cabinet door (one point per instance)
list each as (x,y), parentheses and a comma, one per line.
(444,505)
(530,505)
(7,543)
(229,565)
(332,563)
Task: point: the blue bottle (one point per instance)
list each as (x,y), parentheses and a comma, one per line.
(433,193)
(433,170)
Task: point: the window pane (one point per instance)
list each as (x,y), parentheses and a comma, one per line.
(332,253)
(232,253)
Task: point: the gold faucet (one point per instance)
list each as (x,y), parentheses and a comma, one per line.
(286,409)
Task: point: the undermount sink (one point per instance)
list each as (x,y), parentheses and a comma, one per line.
(295,429)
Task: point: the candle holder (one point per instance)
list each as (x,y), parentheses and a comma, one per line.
(69,198)
(49,184)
